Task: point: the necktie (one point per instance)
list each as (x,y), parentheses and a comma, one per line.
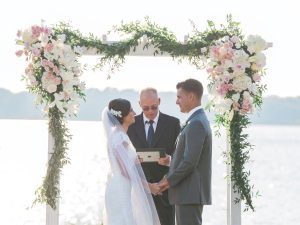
(150,133)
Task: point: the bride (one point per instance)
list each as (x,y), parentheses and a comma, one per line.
(128,199)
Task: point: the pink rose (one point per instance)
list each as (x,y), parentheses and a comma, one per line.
(19,53)
(49,47)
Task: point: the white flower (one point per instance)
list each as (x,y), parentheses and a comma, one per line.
(256,44)
(259,61)
(235,39)
(241,83)
(27,36)
(61,38)
(80,50)
(58,102)
(203,50)
(51,87)
(223,105)
(116,113)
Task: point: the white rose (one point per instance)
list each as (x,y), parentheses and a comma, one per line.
(223,105)
(256,44)
(27,36)
(51,87)
(259,61)
(241,83)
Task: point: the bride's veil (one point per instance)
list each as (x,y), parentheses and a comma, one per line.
(123,160)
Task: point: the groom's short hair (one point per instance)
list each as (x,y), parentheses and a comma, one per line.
(191,85)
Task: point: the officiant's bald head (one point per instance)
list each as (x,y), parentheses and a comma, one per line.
(149,102)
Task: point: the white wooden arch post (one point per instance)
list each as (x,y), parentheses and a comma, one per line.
(234,214)
(52,215)
(233,210)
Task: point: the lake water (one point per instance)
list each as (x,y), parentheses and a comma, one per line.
(275,171)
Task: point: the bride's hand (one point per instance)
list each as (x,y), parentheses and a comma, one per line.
(154,188)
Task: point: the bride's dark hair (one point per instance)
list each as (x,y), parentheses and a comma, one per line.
(119,108)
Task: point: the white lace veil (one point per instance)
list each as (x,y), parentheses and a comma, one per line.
(123,161)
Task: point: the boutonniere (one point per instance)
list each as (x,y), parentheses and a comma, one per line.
(183,124)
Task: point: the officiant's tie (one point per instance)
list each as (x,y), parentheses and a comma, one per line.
(150,133)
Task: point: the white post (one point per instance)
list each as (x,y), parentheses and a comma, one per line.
(234,216)
(51,214)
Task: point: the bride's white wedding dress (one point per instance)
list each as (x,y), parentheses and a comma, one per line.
(128,200)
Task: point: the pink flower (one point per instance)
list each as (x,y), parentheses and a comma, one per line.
(247,106)
(50,64)
(224,88)
(19,53)
(19,33)
(36,31)
(44,62)
(46,30)
(49,47)
(256,77)
(56,70)
(36,52)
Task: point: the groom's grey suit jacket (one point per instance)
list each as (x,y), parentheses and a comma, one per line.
(190,170)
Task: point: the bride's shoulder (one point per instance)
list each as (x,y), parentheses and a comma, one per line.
(120,136)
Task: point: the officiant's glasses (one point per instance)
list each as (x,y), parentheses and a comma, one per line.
(152,107)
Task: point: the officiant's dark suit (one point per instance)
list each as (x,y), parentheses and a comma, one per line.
(166,131)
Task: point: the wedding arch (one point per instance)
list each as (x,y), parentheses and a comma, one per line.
(234,63)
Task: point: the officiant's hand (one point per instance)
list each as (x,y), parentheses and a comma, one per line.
(165,161)
(140,159)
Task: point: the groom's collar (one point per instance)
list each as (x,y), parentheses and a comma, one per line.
(190,113)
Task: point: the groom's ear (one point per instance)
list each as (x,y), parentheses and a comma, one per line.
(190,96)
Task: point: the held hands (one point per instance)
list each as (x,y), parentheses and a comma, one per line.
(163,184)
(154,188)
(158,188)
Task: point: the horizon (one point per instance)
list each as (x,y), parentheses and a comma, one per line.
(159,72)
(132,89)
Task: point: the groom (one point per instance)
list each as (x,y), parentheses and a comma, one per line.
(189,177)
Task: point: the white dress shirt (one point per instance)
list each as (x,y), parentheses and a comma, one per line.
(148,124)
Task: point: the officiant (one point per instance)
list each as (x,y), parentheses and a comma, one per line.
(155,130)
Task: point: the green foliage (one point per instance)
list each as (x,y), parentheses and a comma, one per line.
(49,191)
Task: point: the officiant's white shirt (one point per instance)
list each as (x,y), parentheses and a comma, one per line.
(148,124)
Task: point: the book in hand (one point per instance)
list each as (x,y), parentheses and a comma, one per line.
(150,154)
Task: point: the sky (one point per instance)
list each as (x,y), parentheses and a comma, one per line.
(276,22)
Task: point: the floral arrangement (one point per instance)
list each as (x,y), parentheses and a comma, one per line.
(235,68)
(52,74)
(53,70)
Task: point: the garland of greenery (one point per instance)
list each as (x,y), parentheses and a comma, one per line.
(197,51)
(49,191)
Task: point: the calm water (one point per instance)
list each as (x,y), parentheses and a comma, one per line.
(275,171)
